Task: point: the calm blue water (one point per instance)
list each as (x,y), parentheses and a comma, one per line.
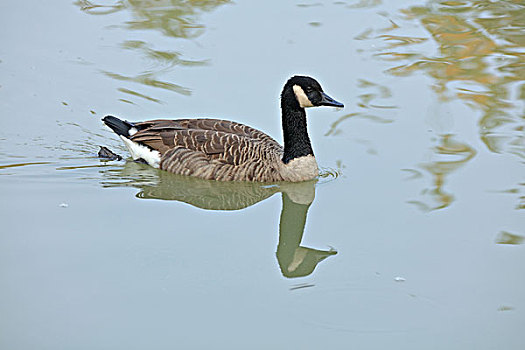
(413,239)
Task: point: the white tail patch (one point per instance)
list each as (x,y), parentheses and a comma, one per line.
(139,151)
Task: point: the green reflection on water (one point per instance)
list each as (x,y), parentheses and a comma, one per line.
(367,105)
(509,238)
(172,18)
(175,18)
(521,204)
(294,260)
(450,155)
(21,164)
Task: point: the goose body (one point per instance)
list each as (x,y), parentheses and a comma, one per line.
(225,150)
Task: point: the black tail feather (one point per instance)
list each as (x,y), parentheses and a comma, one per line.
(120,127)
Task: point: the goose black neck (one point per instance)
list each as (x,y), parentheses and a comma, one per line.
(295,133)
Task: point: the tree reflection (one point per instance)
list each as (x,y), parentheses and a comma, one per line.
(294,259)
(172,18)
(450,155)
(480,61)
(367,104)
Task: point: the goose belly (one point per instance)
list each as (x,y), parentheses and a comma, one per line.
(195,164)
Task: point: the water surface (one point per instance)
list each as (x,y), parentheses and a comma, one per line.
(411,239)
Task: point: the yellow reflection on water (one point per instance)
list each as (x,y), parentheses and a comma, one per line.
(295,260)
(365,4)
(480,60)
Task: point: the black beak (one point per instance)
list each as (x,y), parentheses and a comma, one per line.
(328,101)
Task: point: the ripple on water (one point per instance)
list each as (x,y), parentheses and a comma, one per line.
(174,20)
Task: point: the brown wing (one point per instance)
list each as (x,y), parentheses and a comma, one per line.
(218,139)
(210,148)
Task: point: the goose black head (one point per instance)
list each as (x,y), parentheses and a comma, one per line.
(308,92)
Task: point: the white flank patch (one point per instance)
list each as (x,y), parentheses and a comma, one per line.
(142,152)
(301,97)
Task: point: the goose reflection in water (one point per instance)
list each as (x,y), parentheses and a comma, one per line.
(294,259)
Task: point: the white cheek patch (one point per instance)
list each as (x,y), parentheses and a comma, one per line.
(132,131)
(301,97)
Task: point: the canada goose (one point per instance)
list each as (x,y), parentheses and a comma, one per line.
(224,150)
